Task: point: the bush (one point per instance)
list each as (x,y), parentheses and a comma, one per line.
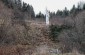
(56,30)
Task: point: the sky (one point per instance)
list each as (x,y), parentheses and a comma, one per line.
(51,5)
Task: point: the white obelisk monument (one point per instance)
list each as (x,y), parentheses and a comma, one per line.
(47,17)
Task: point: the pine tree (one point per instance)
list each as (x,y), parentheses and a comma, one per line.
(59,13)
(19,4)
(65,12)
(32,12)
(24,8)
(84,7)
(73,9)
(78,7)
(28,9)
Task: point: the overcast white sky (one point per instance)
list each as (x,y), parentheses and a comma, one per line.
(52,5)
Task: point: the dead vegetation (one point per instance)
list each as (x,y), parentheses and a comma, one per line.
(19,37)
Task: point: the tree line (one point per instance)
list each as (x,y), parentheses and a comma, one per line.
(64,13)
(28,11)
(20,7)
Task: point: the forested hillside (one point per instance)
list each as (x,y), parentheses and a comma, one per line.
(24,33)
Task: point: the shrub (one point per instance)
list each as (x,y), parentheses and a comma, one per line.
(56,30)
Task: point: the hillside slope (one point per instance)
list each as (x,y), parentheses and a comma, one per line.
(30,37)
(18,37)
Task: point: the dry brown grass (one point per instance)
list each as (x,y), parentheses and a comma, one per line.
(9,50)
(16,50)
